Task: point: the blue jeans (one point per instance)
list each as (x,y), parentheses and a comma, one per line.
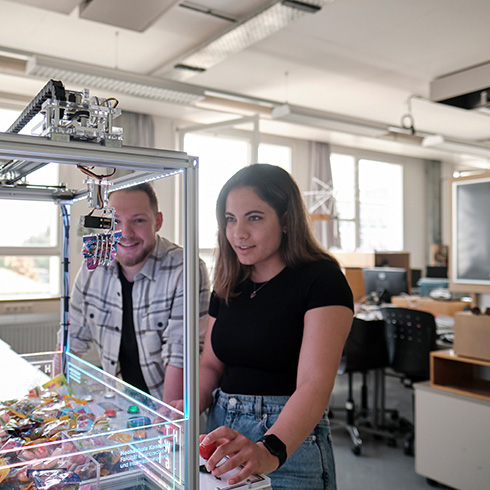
(310,467)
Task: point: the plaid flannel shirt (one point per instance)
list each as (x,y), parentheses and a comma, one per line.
(96,312)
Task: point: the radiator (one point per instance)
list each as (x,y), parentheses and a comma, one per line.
(30,332)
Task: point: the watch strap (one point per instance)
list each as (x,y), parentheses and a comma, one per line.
(276,447)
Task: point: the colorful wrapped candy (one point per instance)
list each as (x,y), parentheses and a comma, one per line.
(100,249)
(56,479)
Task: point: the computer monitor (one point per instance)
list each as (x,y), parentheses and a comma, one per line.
(436,271)
(381,283)
(415,275)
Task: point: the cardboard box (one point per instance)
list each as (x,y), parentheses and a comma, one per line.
(356,282)
(472,335)
(434,306)
(373,259)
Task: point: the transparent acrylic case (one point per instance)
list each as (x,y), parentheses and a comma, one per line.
(135,439)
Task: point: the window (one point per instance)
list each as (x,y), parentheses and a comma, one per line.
(279,155)
(219,159)
(29,243)
(369,196)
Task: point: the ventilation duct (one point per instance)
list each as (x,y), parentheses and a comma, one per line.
(467,89)
(270,18)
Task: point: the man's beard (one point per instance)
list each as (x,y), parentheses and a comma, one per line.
(135,260)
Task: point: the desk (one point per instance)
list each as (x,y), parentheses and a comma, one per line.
(434,306)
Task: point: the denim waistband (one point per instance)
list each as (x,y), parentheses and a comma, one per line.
(251,403)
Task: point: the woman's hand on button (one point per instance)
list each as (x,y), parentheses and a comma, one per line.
(241,451)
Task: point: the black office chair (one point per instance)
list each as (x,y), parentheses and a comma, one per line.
(410,337)
(364,351)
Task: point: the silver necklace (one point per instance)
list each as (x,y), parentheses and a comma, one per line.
(255,291)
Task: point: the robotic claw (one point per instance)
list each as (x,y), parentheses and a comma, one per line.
(99,248)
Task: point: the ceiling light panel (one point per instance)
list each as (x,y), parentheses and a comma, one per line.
(329,121)
(117,81)
(129,14)
(64,6)
(258,26)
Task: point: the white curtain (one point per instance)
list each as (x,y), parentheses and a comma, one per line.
(321,198)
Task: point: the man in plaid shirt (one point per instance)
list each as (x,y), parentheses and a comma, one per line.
(132,309)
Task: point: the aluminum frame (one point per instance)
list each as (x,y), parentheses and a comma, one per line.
(148,164)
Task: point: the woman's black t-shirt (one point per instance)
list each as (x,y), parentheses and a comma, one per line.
(259,339)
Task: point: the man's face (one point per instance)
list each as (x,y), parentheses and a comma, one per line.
(139,225)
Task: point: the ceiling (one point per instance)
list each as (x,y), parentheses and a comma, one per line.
(355,73)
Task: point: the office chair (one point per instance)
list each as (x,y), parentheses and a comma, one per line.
(410,337)
(364,350)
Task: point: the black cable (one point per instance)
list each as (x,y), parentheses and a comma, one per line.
(54,89)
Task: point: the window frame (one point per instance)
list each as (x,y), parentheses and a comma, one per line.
(36,250)
(358,155)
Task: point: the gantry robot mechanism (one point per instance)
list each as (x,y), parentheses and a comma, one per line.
(68,115)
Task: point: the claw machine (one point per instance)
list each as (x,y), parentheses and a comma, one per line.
(81,428)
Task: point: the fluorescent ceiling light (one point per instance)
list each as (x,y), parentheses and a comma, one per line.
(63,7)
(465,148)
(433,140)
(12,64)
(328,121)
(118,81)
(223,104)
(273,17)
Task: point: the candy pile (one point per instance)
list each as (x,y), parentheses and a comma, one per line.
(35,447)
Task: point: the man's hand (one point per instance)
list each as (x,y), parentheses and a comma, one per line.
(177,404)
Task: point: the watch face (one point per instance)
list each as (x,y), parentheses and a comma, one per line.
(276,447)
(273,443)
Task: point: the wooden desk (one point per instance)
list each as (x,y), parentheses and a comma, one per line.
(434,306)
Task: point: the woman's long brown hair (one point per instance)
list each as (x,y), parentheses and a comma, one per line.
(276,187)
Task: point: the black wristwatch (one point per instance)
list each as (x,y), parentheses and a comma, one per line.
(276,447)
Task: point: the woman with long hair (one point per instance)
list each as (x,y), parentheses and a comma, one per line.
(280,313)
